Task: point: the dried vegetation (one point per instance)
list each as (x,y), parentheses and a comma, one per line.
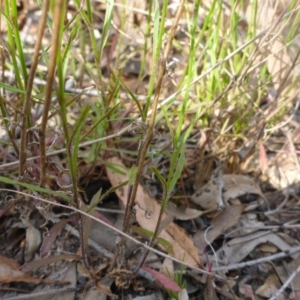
(149,149)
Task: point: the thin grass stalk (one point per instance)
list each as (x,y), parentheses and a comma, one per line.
(145,48)
(72,140)
(145,144)
(151,128)
(88,18)
(17,39)
(5,117)
(11,43)
(168,100)
(57,16)
(26,113)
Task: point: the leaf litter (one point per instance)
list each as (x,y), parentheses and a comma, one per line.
(235,219)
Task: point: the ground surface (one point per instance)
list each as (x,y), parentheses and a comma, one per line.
(233,215)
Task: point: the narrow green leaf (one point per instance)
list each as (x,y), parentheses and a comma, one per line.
(132,174)
(145,233)
(178,171)
(35,188)
(12,88)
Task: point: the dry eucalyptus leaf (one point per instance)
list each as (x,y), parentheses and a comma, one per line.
(246,220)
(270,287)
(9,272)
(94,293)
(67,274)
(219,224)
(183,245)
(33,240)
(234,186)
(246,291)
(183,214)
(286,270)
(210,291)
(237,249)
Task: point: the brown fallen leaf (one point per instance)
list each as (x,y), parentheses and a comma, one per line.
(286,270)
(223,221)
(183,213)
(165,281)
(270,287)
(238,248)
(210,290)
(183,245)
(9,272)
(68,275)
(234,186)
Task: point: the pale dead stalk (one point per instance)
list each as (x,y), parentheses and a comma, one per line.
(26,113)
(50,79)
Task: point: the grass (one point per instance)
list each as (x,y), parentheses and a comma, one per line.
(220,86)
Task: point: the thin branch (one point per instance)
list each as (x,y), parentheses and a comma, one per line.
(151,128)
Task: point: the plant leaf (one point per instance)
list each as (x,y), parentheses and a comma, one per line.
(167,283)
(50,238)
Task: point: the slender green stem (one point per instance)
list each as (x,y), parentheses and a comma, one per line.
(145,145)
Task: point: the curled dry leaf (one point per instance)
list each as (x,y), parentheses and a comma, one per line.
(183,245)
(234,186)
(33,239)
